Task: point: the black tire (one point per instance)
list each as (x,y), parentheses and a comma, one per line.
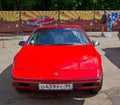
(20,90)
(95,91)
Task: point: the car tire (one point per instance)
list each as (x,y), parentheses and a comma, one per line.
(19,90)
(95,91)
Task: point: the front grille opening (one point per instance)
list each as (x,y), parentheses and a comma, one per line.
(88,84)
(85,84)
(24,84)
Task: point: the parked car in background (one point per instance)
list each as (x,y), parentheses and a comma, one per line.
(40,20)
(57,58)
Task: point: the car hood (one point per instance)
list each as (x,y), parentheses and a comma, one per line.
(43,61)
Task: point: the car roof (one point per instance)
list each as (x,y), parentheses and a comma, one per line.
(60,26)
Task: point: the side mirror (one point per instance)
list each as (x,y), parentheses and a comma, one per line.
(21,43)
(96,43)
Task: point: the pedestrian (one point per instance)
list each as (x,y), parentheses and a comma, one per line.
(104,22)
(118,34)
(109,24)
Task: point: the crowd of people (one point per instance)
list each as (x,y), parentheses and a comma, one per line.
(106,22)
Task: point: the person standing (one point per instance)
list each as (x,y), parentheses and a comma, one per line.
(109,24)
(104,23)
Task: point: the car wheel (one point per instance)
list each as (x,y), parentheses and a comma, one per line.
(95,91)
(19,90)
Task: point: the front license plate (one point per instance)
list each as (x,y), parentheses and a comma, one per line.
(55,86)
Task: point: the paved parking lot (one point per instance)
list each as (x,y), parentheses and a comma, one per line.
(109,49)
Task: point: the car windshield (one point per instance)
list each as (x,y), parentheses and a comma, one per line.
(58,36)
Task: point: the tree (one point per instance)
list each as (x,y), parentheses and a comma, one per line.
(59,4)
(0,5)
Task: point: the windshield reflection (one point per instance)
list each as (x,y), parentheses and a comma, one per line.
(58,36)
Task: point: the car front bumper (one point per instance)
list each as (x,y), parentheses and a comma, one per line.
(84,84)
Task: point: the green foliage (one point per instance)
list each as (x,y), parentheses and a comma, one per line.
(59,4)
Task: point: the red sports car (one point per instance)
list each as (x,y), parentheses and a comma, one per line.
(57,58)
(40,20)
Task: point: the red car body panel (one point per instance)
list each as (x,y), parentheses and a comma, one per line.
(36,63)
(66,60)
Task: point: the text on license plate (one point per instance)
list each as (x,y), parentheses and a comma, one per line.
(55,86)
